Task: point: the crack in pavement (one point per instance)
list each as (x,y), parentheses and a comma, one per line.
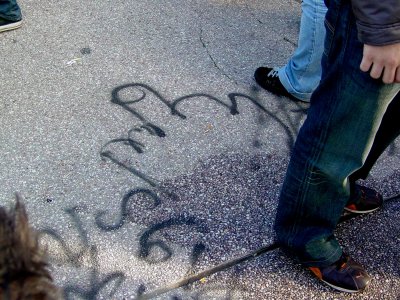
(212,58)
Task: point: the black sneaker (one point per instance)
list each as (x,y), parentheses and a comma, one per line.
(345,275)
(6,25)
(268,79)
(363,200)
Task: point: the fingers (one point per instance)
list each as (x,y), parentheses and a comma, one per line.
(376,70)
(382,62)
(389,75)
(397,80)
(366,63)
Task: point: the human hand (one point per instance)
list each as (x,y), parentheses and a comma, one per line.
(382,61)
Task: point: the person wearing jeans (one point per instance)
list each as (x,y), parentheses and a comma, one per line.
(359,89)
(10,15)
(300,77)
(302,73)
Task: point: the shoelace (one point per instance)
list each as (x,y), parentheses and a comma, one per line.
(273,73)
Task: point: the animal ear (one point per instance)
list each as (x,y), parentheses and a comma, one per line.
(4,228)
(20,211)
(5,234)
(25,234)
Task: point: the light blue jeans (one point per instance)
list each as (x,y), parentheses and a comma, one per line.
(302,73)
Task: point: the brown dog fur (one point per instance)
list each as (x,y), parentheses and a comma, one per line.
(23,268)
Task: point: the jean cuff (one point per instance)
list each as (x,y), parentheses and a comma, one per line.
(305,97)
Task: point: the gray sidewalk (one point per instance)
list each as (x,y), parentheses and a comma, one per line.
(145,151)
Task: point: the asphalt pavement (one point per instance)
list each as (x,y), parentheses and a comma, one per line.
(145,152)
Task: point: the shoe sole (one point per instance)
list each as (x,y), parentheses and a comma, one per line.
(361,211)
(11,26)
(340,288)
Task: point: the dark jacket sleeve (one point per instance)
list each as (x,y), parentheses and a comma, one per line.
(378,21)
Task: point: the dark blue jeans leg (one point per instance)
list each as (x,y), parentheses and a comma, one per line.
(10,10)
(388,131)
(344,117)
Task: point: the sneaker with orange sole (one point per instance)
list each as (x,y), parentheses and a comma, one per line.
(363,200)
(344,275)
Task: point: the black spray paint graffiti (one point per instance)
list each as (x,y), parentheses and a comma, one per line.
(124,208)
(146,243)
(288,124)
(97,284)
(109,283)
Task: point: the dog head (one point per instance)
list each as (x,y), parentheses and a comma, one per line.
(23,268)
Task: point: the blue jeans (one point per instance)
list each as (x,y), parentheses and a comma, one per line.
(388,130)
(302,73)
(342,125)
(10,10)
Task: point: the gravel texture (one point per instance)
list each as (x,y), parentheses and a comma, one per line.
(145,151)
